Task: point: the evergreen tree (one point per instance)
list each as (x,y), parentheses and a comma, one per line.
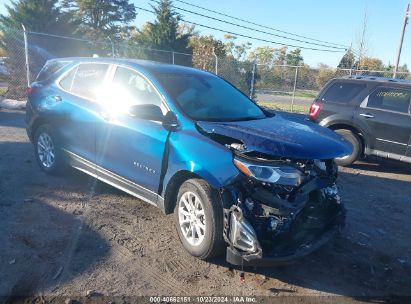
(294,57)
(163,33)
(101,19)
(37,16)
(347,61)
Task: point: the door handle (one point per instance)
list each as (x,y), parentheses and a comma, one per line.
(367,115)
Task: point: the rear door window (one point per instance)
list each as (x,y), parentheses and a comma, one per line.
(49,69)
(88,80)
(342,92)
(391,99)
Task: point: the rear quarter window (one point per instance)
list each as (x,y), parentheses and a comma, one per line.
(391,99)
(67,81)
(88,79)
(49,69)
(342,92)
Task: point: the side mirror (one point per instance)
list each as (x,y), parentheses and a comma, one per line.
(147,111)
(170,121)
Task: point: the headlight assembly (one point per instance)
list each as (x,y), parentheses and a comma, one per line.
(242,234)
(281,174)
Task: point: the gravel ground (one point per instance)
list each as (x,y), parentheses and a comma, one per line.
(64,236)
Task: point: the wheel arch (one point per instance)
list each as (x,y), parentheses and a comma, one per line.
(174,184)
(35,125)
(353,129)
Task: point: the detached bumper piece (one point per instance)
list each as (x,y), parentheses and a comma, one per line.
(264,229)
(241,235)
(234,258)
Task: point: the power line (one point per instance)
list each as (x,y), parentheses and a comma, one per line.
(253,23)
(246,36)
(254,29)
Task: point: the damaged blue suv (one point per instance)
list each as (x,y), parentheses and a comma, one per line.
(239,179)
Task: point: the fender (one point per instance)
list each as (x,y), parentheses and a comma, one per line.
(336,119)
(197,155)
(349,123)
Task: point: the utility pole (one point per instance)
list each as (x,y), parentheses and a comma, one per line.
(216,61)
(26,53)
(407,13)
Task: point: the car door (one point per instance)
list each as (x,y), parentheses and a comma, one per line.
(130,150)
(80,111)
(386,113)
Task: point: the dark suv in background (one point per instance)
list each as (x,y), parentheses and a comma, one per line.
(372,113)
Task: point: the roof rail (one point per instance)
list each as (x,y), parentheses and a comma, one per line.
(377,78)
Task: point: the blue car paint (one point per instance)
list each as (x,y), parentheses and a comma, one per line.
(73,119)
(117,144)
(77,125)
(194,152)
(132,148)
(277,136)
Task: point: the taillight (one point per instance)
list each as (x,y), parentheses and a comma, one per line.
(29,90)
(314,110)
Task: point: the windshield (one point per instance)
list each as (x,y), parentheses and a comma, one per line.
(209,98)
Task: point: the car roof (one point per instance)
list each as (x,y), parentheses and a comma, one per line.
(375,79)
(152,66)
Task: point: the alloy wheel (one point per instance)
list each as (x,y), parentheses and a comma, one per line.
(45,150)
(191,218)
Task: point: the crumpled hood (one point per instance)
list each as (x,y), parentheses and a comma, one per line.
(290,137)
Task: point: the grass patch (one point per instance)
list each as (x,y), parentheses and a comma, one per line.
(287,107)
(298,93)
(306,94)
(3,91)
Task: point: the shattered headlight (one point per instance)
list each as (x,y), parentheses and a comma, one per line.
(281,174)
(242,234)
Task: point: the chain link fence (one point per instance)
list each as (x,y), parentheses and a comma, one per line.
(293,88)
(284,87)
(41,47)
(13,76)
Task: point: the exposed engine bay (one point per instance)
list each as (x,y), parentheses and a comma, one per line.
(280,219)
(282,207)
(285,204)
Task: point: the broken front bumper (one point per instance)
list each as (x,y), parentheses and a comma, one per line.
(256,241)
(234,258)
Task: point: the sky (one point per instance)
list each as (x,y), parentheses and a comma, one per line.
(337,21)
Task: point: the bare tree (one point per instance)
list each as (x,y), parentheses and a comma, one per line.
(363,39)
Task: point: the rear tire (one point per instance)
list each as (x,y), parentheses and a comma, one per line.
(199,219)
(47,150)
(357,145)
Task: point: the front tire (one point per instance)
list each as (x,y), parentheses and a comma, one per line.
(199,219)
(357,145)
(47,150)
